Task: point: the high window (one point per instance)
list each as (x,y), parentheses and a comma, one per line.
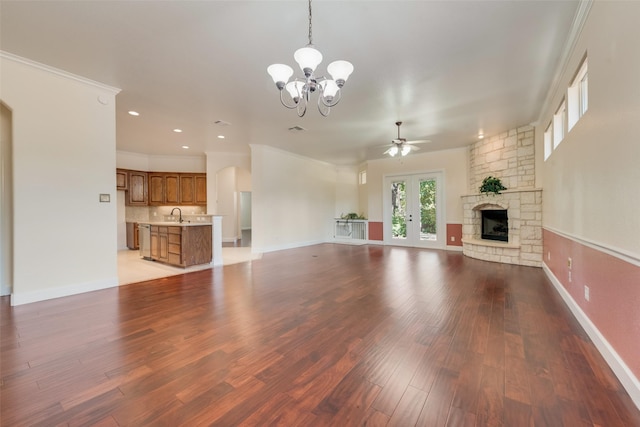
(548,142)
(559,124)
(578,95)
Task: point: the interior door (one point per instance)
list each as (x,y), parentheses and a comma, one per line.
(413,211)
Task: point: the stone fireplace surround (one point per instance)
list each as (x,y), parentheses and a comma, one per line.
(524,210)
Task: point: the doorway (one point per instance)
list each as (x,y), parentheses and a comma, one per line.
(413,210)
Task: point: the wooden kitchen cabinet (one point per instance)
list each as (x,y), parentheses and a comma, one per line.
(172,188)
(137,193)
(162,188)
(159,243)
(133,239)
(181,246)
(200,189)
(122,179)
(156,189)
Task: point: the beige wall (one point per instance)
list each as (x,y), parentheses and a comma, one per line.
(293,199)
(6,202)
(63,159)
(453,163)
(591,208)
(591,181)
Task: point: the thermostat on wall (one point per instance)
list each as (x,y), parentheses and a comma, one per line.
(105,198)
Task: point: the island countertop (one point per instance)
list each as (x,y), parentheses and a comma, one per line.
(174,223)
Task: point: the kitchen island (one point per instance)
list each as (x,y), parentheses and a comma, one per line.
(180,244)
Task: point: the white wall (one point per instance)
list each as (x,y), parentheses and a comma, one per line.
(293,199)
(63,159)
(227,202)
(217,162)
(453,163)
(347,199)
(591,181)
(6,203)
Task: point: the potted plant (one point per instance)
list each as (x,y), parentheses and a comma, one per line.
(492,184)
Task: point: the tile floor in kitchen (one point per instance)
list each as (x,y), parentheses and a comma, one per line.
(132,268)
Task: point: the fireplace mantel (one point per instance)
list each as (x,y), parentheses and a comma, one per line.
(524,209)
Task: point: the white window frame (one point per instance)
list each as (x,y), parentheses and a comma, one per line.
(559,124)
(578,96)
(548,141)
(362,177)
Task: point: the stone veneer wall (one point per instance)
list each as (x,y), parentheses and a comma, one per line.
(509,156)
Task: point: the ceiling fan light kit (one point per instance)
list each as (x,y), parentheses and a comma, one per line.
(300,89)
(402,146)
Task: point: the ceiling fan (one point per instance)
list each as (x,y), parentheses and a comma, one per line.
(402,146)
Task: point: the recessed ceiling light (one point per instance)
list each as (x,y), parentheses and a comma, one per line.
(134,113)
(221,136)
(177,130)
(186,147)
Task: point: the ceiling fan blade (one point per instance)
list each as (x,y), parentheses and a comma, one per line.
(418,141)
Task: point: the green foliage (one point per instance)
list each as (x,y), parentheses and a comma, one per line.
(352,215)
(492,185)
(428,206)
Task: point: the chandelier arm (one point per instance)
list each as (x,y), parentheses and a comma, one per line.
(301,108)
(291,107)
(327,109)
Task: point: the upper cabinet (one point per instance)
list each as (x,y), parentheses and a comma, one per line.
(122,179)
(137,193)
(166,188)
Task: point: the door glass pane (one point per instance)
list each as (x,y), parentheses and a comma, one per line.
(398,210)
(428,209)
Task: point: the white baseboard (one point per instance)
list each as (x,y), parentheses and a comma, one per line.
(620,369)
(63,291)
(274,248)
(454,248)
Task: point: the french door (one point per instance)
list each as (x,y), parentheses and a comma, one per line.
(413,211)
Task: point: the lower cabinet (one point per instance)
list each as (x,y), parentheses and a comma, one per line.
(181,245)
(133,241)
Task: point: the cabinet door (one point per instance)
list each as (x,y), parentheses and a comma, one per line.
(201,189)
(172,189)
(163,247)
(156,189)
(155,243)
(122,179)
(137,188)
(187,187)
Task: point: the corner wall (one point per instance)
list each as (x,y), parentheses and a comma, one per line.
(591,211)
(64,157)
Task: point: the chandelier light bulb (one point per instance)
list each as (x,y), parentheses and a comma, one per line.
(308,58)
(405,150)
(295,89)
(329,89)
(340,71)
(280,73)
(393,150)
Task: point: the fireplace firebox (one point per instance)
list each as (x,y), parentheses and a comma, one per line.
(495,225)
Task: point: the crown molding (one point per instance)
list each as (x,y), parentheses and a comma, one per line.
(58,72)
(577,26)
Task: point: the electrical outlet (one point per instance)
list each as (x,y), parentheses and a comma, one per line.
(586,293)
(549,256)
(453,239)
(569,263)
(569,277)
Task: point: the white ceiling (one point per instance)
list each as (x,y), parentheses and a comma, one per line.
(447,69)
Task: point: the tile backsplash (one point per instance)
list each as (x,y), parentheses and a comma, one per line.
(157,213)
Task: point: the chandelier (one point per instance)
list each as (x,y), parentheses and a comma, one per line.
(300,89)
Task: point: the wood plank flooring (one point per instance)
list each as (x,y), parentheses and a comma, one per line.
(327,335)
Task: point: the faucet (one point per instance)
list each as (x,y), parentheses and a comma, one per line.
(179,211)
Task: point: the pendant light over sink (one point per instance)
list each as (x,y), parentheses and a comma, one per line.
(299,89)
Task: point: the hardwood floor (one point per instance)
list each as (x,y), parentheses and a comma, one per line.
(327,335)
